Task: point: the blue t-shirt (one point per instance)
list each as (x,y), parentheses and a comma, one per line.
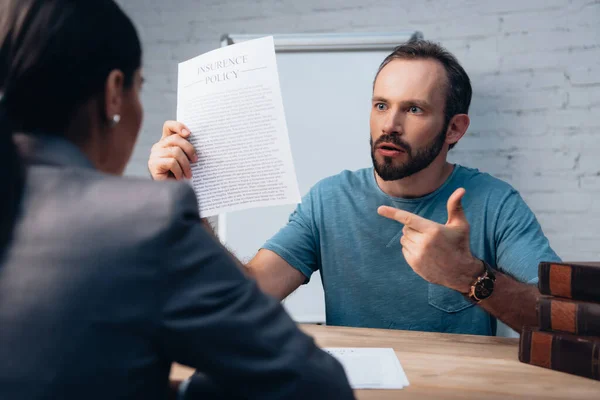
(367,281)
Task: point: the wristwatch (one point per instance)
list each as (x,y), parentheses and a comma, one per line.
(483,286)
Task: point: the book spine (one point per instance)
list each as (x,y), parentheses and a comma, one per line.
(579,318)
(561,352)
(555,279)
(525,346)
(577,282)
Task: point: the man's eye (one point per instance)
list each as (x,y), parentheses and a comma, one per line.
(415,110)
(380,106)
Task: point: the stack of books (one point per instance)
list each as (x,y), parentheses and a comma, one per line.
(568,336)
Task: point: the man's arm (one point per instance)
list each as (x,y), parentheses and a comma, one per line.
(441,254)
(290,257)
(273,274)
(512,302)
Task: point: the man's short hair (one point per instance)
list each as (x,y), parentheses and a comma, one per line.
(458,93)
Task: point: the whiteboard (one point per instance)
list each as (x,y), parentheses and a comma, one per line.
(326,84)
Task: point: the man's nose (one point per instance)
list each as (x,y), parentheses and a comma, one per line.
(393,122)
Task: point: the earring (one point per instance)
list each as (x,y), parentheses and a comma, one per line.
(115,120)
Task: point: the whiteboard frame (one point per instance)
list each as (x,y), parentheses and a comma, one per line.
(329,41)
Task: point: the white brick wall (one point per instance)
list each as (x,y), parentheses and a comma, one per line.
(534,65)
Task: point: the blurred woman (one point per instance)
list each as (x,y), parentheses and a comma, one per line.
(106,281)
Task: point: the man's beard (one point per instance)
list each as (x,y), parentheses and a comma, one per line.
(391,170)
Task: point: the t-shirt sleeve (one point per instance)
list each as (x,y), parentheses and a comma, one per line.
(520,242)
(297,242)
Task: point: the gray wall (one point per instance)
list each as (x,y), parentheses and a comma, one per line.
(534,65)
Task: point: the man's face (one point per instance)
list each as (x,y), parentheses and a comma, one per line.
(408,129)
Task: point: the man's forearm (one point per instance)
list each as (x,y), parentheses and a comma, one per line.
(272,273)
(246,269)
(512,302)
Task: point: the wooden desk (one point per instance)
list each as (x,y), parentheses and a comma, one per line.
(443,366)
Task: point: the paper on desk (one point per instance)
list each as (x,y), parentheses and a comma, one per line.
(231,100)
(370,368)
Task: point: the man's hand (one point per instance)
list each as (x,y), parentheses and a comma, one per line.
(171,156)
(440,254)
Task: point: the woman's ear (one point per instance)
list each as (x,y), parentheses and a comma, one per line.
(114,95)
(457,128)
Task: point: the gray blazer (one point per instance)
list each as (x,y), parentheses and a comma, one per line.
(108,280)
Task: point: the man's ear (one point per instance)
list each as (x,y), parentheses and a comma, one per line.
(457,128)
(113,94)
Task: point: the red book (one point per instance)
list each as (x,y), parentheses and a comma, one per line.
(573,280)
(563,352)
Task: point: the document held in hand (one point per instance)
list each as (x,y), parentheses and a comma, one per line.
(230,100)
(370,368)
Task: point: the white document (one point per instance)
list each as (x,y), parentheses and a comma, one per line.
(231,100)
(370,368)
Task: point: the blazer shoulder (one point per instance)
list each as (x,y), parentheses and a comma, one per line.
(138,204)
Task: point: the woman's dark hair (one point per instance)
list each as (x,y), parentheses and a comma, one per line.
(55,55)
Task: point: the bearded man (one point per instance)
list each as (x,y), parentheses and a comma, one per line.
(415,242)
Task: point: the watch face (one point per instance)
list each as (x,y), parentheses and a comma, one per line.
(484,288)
